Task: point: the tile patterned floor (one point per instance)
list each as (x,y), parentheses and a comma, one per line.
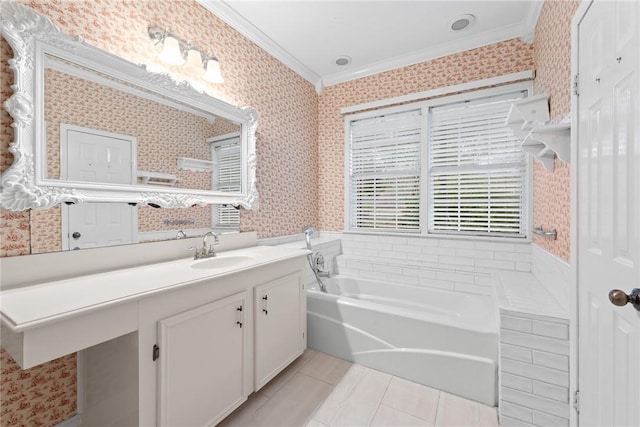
(319,390)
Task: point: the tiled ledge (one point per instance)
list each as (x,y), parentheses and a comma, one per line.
(534,353)
(522,293)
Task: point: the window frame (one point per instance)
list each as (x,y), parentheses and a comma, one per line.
(526,86)
(214,142)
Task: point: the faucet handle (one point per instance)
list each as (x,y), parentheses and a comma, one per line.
(196,251)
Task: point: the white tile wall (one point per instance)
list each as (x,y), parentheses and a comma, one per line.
(553,273)
(453,252)
(534,370)
(414,273)
(462,265)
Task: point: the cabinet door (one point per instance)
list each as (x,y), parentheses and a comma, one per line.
(201,363)
(279,326)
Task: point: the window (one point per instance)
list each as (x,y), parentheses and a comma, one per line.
(227,177)
(477,171)
(384,172)
(439,167)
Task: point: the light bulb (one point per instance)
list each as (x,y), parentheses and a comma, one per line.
(171,53)
(194,62)
(213,74)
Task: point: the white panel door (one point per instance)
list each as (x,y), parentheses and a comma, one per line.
(608,213)
(201,363)
(279,312)
(94,156)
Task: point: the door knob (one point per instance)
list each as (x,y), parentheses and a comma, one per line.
(620,298)
(76,235)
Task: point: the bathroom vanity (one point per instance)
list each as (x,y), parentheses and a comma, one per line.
(182,342)
(162,339)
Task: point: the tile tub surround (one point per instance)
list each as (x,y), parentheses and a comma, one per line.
(534,354)
(455,264)
(319,390)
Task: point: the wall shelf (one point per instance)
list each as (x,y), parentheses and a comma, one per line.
(556,138)
(196,165)
(540,151)
(527,119)
(157,178)
(526,113)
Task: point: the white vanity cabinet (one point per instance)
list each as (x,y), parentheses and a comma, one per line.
(200,376)
(180,335)
(280,314)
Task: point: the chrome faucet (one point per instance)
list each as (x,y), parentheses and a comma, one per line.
(206,251)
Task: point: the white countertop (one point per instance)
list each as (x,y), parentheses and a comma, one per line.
(30,306)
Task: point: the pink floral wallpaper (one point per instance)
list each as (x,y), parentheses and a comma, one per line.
(552,56)
(41,396)
(489,61)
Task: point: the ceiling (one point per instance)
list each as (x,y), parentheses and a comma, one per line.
(308,35)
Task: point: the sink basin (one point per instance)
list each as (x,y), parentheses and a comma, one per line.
(221,262)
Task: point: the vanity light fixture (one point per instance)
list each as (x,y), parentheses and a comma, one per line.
(175,49)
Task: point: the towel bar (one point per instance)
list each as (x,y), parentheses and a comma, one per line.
(553,234)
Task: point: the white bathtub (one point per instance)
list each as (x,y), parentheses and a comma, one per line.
(443,339)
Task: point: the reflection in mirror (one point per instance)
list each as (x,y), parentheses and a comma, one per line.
(103,130)
(94,128)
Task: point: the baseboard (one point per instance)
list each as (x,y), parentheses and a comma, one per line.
(75,421)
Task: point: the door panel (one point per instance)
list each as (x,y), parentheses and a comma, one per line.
(98,158)
(608,168)
(201,359)
(279,311)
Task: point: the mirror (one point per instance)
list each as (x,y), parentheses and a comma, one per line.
(92,127)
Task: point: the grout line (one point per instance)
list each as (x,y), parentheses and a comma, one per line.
(435,419)
(386,389)
(317,379)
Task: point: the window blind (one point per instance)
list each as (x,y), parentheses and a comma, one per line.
(477,172)
(228,178)
(384,169)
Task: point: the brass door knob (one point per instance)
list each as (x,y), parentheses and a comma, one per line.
(620,298)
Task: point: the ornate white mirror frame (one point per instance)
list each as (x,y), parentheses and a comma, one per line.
(25,184)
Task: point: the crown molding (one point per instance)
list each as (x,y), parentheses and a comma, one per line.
(225,12)
(523,30)
(530,22)
(443,49)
